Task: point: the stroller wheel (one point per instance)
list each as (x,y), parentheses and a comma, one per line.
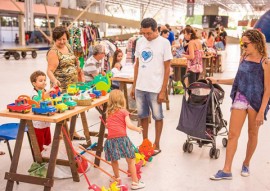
(212,152)
(217,153)
(185,146)
(224,142)
(190,147)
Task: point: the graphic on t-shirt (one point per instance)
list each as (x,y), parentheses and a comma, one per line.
(146,55)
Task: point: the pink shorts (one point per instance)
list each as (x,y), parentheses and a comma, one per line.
(240,102)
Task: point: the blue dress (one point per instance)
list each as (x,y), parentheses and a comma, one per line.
(249,81)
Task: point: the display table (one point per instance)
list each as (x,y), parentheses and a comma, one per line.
(123,87)
(221,55)
(177,64)
(208,68)
(61,121)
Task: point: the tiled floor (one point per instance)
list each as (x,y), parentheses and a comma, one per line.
(172,169)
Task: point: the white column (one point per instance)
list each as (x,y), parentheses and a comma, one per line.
(21,30)
(141,11)
(29,15)
(103,26)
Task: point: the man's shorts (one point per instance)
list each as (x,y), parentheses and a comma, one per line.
(241,102)
(146,101)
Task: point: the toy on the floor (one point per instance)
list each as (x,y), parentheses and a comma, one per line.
(120,187)
(21,105)
(138,170)
(140,157)
(147,149)
(44,109)
(77,158)
(68,101)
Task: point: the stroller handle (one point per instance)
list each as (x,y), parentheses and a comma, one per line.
(187,75)
(183,80)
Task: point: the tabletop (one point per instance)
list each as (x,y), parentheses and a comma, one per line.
(128,80)
(56,117)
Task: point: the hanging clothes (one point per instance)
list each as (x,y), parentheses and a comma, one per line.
(75,41)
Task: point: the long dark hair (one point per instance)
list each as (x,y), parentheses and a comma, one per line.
(115,56)
(190,30)
(210,34)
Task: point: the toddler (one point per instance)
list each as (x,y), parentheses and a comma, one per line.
(118,145)
(42,129)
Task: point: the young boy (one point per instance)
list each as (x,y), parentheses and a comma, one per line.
(42,129)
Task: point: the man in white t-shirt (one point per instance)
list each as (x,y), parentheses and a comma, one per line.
(151,74)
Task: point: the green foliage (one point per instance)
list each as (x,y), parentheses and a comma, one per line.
(196,19)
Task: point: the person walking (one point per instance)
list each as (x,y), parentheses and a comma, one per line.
(118,144)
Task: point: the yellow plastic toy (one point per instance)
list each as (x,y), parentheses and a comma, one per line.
(59,105)
(139,157)
(72,89)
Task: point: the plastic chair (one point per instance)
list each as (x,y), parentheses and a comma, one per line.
(9,131)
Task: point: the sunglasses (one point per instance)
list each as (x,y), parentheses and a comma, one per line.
(245,44)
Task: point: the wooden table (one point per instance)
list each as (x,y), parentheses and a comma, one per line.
(60,120)
(208,68)
(123,87)
(177,65)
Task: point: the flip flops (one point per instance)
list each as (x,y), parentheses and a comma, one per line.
(156,152)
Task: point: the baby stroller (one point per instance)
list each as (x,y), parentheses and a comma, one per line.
(201,117)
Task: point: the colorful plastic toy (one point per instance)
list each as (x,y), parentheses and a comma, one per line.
(44,109)
(56,92)
(41,96)
(147,149)
(68,101)
(97,93)
(103,92)
(138,169)
(59,105)
(20,106)
(93,96)
(83,86)
(29,100)
(38,97)
(72,89)
(140,157)
(101,82)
